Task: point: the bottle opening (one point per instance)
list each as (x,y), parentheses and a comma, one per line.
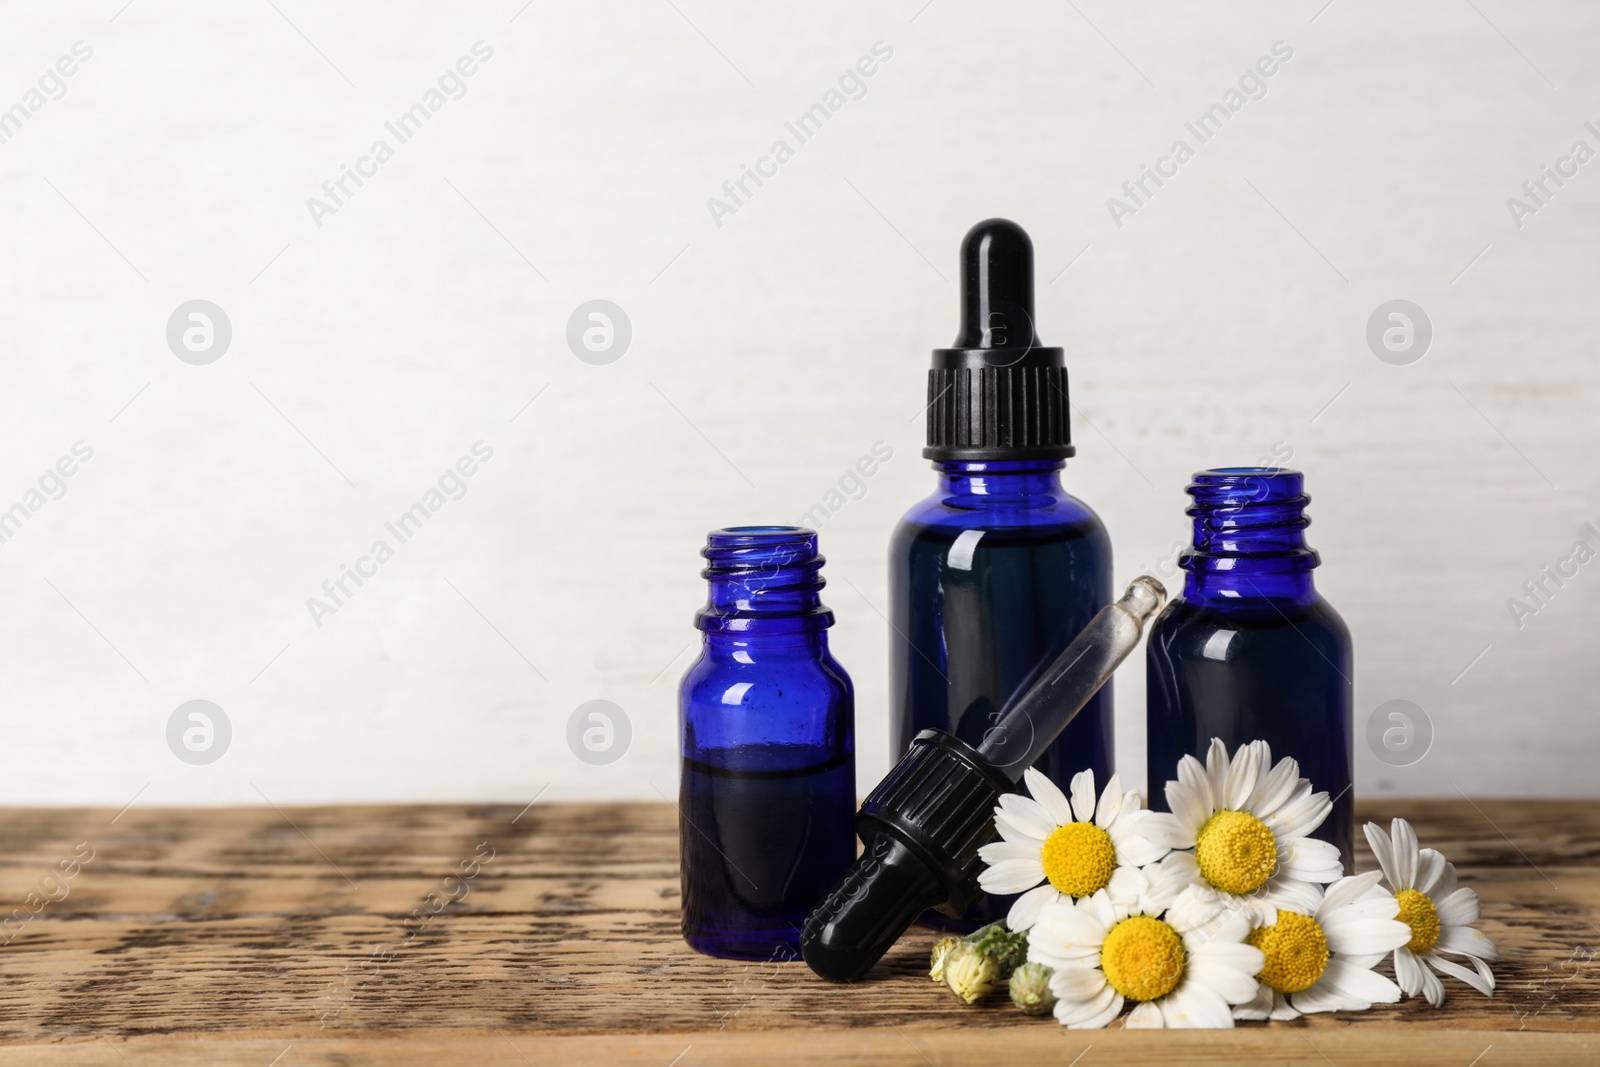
(766,578)
(1249,519)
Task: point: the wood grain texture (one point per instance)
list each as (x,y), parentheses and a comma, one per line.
(227,936)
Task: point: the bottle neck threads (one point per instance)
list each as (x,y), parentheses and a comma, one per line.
(1249,536)
(763,580)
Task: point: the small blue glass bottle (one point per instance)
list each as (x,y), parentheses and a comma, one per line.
(766,729)
(992,576)
(1251,651)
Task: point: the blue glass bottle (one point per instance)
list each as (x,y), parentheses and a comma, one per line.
(996,572)
(1251,651)
(989,579)
(766,729)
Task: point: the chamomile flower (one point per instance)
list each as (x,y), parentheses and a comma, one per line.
(1243,826)
(1106,952)
(1438,914)
(1060,849)
(1323,961)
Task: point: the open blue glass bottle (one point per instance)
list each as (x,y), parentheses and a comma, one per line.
(1251,651)
(996,572)
(766,729)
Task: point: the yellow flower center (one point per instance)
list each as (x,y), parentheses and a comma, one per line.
(1296,951)
(1418,912)
(1236,851)
(1142,958)
(1078,858)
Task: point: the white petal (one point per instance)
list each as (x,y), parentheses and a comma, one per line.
(1459,908)
(1382,851)
(1083,796)
(1282,1009)
(1061,927)
(1025,909)
(1367,937)
(1257,1007)
(1360,984)
(1301,815)
(1110,806)
(1430,868)
(1217,764)
(1233,986)
(1274,788)
(1026,815)
(1192,775)
(1321,997)
(1246,960)
(1078,984)
(1405,853)
(1049,797)
(1447,883)
(1127,883)
(1287,892)
(1162,827)
(1244,773)
(1193,1006)
(1011,876)
(1310,859)
(1196,907)
(1408,971)
(1384,907)
(1482,979)
(1432,988)
(1010,830)
(1465,941)
(1087,1014)
(996,851)
(1097,906)
(1348,891)
(1146,1016)
(1103,1018)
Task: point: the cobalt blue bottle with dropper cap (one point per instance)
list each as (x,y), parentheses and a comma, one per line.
(767,735)
(993,575)
(1251,651)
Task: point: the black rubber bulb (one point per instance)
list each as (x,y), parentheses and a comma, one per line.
(997,287)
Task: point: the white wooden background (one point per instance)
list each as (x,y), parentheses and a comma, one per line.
(768,354)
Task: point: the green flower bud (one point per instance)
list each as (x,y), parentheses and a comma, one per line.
(1030,989)
(1008,949)
(970,972)
(941,949)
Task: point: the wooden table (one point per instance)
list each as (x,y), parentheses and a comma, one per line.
(338,936)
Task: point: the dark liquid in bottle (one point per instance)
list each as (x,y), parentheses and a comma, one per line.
(769,844)
(994,611)
(1279,674)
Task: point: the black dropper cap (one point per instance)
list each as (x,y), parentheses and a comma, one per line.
(998,393)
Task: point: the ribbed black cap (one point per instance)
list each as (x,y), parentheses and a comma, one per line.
(998,393)
(922,827)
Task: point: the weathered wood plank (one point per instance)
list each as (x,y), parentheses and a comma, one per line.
(207,932)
